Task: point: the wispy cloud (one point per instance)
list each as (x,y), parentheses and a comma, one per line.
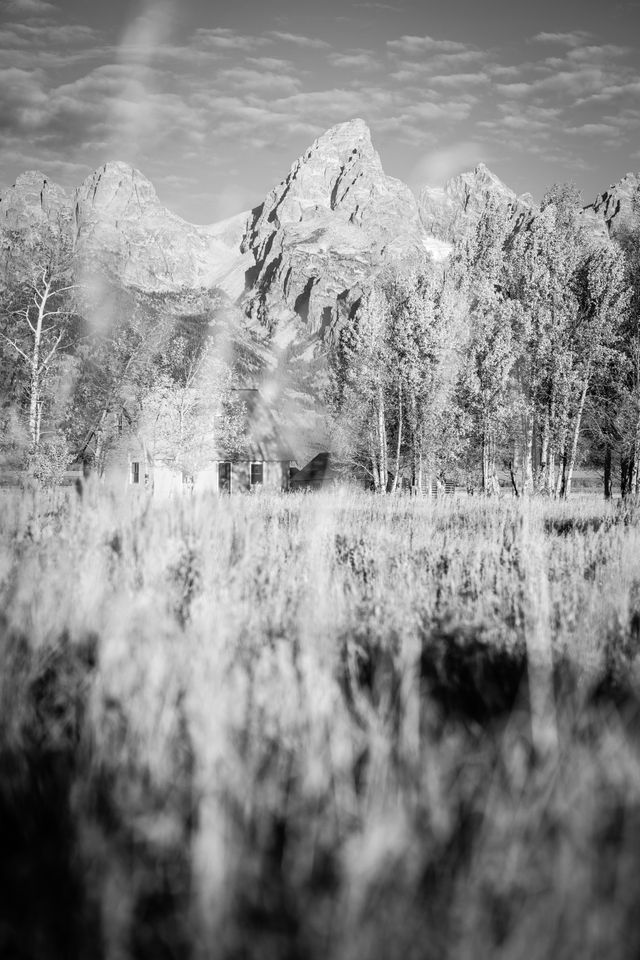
(213,98)
(313,43)
(415,46)
(394,8)
(223,38)
(355,60)
(573,39)
(30,8)
(259,81)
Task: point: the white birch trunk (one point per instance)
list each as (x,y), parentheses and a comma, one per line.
(576,437)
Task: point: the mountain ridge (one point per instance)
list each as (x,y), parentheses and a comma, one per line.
(297,261)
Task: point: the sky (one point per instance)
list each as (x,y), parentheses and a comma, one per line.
(213,100)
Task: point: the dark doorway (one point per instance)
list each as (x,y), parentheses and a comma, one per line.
(224,477)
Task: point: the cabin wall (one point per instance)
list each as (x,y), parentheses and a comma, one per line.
(167,481)
(240,476)
(276,475)
(206,480)
(117,467)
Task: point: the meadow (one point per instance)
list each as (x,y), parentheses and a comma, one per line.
(318,726)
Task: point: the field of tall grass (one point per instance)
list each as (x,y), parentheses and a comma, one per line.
(324,726)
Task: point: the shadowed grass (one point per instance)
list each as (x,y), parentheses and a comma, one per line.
(301,726)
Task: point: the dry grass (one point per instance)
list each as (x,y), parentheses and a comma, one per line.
(304,727)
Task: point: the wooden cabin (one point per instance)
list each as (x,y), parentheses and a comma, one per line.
(263,460)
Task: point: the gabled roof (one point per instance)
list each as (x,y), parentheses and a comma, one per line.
(317,472)
(264,438)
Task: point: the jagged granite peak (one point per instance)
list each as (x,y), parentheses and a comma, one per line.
(33,210)
(454,210)
(328,226)
(34,201)
(618,208)
(122,229)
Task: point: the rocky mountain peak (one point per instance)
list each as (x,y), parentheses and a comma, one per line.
(32,202)
(116,189)
(454,210)
(617,208)
(122,227)
(335,219)
(338,171)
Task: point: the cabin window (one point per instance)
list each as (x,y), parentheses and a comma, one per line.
(135,471)
(257,474)
(224,476)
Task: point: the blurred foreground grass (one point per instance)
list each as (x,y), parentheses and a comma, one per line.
(331,726)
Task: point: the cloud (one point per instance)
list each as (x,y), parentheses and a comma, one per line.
(564,84)
(30,8)
(615,91)
(355,60)
(421,71)
(473,80)
(225,39)
(22,98)
(272,63)
(597,52)
(395,8)
(593,130)
(260,81)
(414,46)
(216,97)
(573,39)
(312,43)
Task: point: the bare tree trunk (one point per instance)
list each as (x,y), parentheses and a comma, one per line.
(490,485)
(513,478)
(543,478)
(514,465)
(551,469)
(34,396)
(485,464)
(562,462)
(35,412)
(634,478)
(528,456)
(495,484)
(375,469)
(625,475)
(563,473)
(551,472)
(607,472)
(576,437)
(399,444)
(382,441)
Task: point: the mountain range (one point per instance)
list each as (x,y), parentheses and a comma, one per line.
(334,221)
(293,268)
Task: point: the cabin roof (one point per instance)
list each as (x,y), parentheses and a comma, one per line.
(318,471)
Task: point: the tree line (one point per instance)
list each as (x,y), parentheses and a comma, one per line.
(511,363)
(517,359)
(86,365)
